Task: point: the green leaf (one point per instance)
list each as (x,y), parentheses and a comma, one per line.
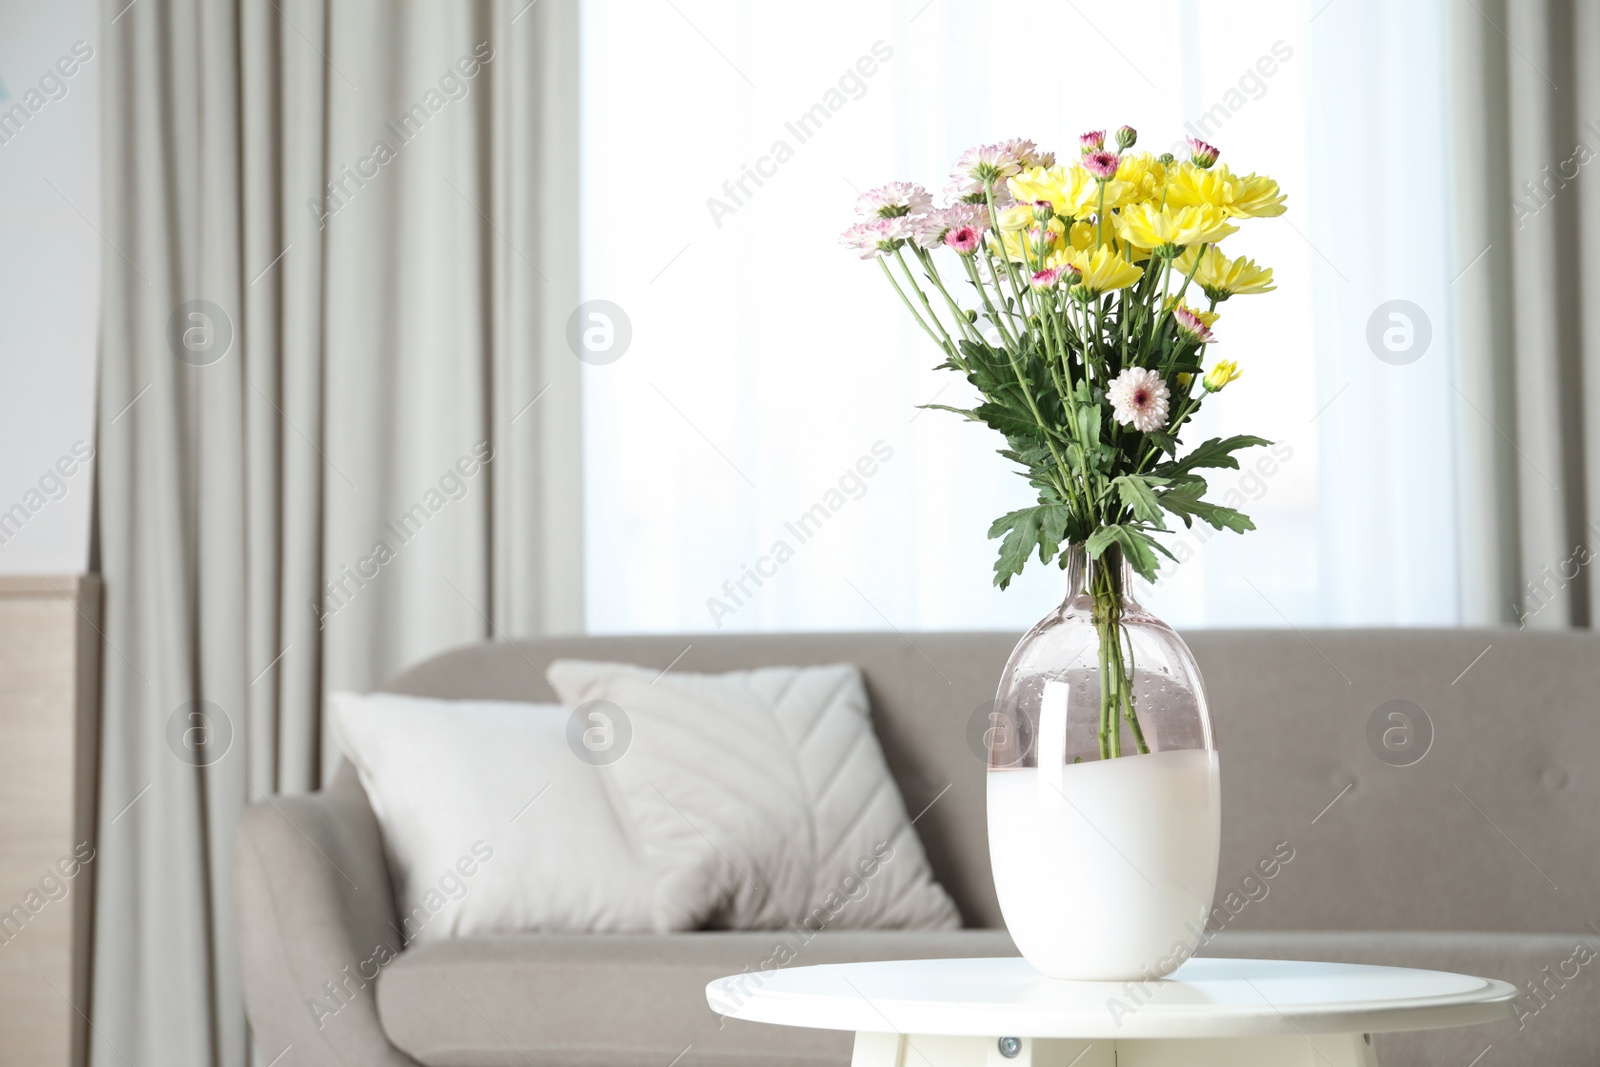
(1164,441)
(1008,420)
(1185,503)
(1026,529)
(1137,547)
(1138,496)
(1216,452)
(966,413)
(1087,422)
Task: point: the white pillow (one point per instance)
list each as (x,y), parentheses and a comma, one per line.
(761,798)
(470,849)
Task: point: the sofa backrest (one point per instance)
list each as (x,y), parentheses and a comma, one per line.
(1496,828)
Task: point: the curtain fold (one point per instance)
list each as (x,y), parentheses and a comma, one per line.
(340,246)
(1526,79)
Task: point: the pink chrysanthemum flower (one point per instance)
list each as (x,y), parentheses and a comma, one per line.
(932,227)
(1189,323)
(1103,165)
(987,164)
(896,198)
(964,239)
(1139,399)
(1047,278)
(1093,141)
(1201,154)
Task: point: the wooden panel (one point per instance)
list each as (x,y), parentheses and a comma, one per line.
(49,726)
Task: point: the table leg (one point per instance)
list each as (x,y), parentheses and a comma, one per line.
(1316,1050)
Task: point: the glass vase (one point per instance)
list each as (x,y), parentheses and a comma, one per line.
(1104,801)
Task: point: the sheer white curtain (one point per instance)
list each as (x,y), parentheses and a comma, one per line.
(769,376)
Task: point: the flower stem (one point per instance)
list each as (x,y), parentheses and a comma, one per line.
(907,302)
(949,345)
(1117,700)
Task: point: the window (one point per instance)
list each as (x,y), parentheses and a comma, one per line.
(755,459)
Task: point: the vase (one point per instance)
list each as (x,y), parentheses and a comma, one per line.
(1104,803)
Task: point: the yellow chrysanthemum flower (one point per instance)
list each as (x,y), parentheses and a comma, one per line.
(1118,193)
(1171,228)
(1104,270)
(1071,191)
(1250,196)
(1189,186)
(1255,197)
(1224,372)
(1081,236)
(1221,277)
(1016,217)
(1037,183)
(1145,173)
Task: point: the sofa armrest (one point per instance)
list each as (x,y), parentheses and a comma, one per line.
(316,922)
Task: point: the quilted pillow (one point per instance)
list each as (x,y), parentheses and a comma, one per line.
(760,798)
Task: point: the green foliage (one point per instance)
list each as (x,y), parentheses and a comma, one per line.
(1040,369)
(1042,527)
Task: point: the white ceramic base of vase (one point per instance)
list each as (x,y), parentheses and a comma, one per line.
(1105,870)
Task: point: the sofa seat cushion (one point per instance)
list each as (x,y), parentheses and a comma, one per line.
(620,1000)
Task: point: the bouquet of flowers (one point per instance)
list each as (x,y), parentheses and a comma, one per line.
(1092,292)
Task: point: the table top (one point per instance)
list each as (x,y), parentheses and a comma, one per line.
(1203,998)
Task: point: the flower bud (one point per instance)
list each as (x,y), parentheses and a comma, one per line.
(1192,326)
(1093,141)
(1166,159)
(1043,211)
(1224,372)
(1201,154)
(1126,136)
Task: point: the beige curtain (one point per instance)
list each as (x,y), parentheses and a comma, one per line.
(1526,131)
(338,422)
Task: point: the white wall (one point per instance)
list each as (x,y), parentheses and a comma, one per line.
(49,280)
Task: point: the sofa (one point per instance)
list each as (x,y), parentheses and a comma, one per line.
(1478,857)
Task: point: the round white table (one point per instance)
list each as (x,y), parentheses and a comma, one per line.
(1208,1013)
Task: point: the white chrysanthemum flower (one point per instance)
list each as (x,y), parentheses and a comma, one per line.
(963,191)
(866,236)
(1139,399)
(899,228)
(1027,153)
(985,164)
(896,198)
(879,236)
